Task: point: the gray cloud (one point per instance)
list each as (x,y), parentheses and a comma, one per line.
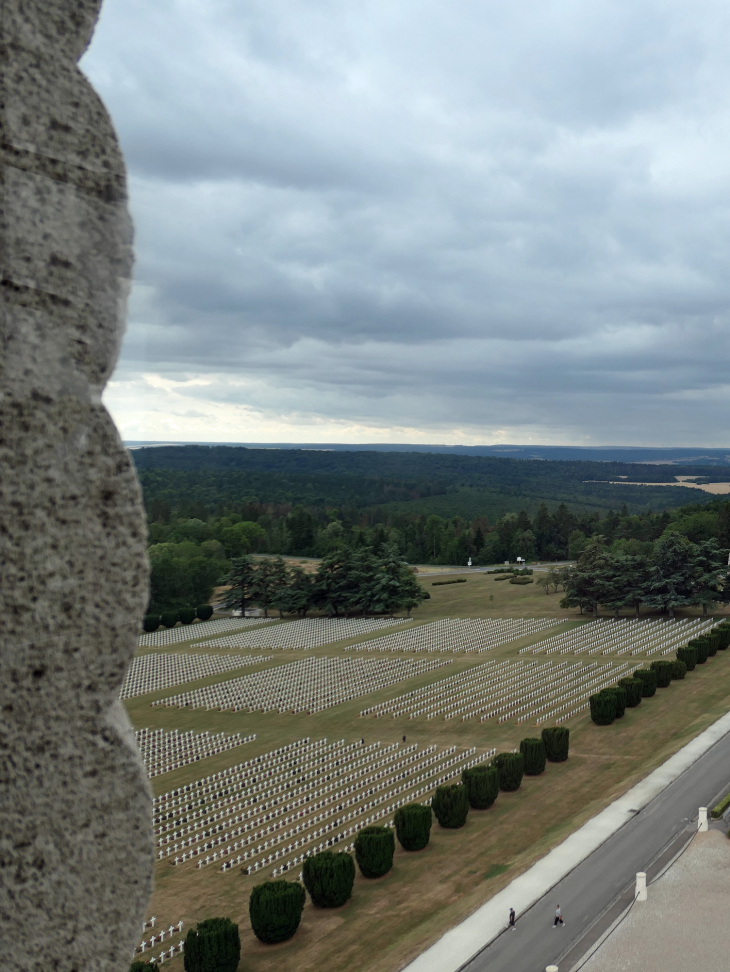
(464,220)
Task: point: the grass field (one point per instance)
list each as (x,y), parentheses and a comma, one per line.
(390,920)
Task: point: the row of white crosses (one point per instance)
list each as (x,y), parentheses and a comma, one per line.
(279,804)
(305,633)
(309,685)
(156,671)
(164,751)
(503,690)
(199,629)
(158,938)
(458,634)
(622,636)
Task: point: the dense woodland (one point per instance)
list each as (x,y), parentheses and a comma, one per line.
(196,532)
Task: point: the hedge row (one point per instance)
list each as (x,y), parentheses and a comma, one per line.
(275,907)
(168,619)
(459,580)
(611,703)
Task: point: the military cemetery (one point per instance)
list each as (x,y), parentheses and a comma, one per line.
(338,725)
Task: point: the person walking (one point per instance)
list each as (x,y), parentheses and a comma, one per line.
(512,919)
(558,918)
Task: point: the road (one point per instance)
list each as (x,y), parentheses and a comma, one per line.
(596,891)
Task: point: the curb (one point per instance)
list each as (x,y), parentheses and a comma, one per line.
(459,945)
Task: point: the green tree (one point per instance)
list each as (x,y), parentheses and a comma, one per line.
(674,571)
(301,526)
(241,581)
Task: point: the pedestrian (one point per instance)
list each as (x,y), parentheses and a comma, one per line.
(558,918)
(512,919)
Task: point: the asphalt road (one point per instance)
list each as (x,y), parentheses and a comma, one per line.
(603,884)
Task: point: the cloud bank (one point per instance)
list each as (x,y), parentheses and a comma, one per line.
(466,222)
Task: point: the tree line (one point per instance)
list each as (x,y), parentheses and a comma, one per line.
(346,582)
(676,574)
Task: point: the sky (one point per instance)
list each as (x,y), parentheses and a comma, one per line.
(394,221)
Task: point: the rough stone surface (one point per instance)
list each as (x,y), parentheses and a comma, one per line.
(75,807)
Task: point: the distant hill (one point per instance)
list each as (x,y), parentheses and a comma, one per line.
(445,482)
(693,455)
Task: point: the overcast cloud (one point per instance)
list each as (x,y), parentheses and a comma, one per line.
(390,220)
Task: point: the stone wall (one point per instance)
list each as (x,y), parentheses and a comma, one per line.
(75,808)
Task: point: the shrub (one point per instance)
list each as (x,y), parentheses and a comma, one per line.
(275,909)
(186,615)
(204,612)
(723,635)
(329,877)
(720,808)
(212,946)
(139,966)
(648,681)
(633,688)
(482,786)
(374,849)
(688,656)
(168,619)
(151,622)
(533,751)
(702,649)
(663,669)
(679,669)
(714,639)
(450,803)
(603,708)
(413,826)
(557,743)
(459,580)
(620,693)
(511,768)
(521,580)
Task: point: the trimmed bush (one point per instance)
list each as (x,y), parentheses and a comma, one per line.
(450,803)
(557,743)
(620,693)
(139,966)
(723,635)
(151,622)
(212,946)
(186,615)
(701,647)
(511,768)
(204,612)
(329,877)
(521,580)
(459,580)
(603,708)
(482,786)
(688,656)
(648,681)
(168,619)
(535,756)
(413,826)
(679,669)
(663,669)
(374,849)
(720,808)
(633,688)
(275,909)
(714,640)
